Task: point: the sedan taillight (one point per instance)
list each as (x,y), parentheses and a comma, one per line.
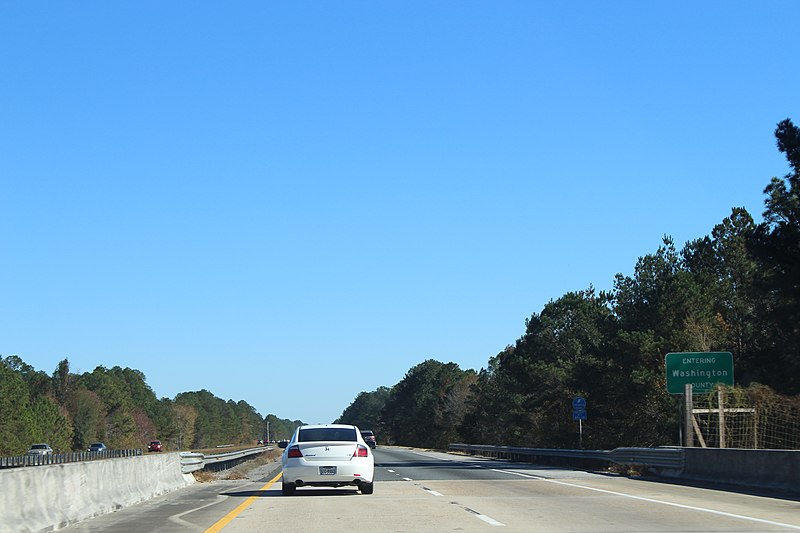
(361,451)
(294,452)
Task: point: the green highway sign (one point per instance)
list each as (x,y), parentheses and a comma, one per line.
(704,370)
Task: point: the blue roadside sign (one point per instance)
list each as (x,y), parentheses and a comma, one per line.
(579,408)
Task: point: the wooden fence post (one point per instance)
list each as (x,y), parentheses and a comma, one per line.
(688,416)
(721,405)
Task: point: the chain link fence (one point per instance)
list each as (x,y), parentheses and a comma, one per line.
(755,417)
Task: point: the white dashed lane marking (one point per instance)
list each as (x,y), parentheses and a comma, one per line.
(489,520)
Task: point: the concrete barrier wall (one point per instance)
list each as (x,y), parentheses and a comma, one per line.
(46,498)
(765,469)
(744,468)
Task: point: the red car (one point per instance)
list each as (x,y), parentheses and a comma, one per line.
(155,446)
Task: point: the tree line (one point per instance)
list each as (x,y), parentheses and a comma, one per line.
(117,407)
(737,290)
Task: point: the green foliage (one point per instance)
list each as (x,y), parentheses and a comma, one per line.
(88,419)
(115,406)
(423,409)
(62,382)
(38,382)
(776,245)
(16,429)
(365,411)
(280,428)
(50,425)
(126,399)
(185,419)
(219,422)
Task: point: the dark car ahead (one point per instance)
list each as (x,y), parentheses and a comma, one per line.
(369,438)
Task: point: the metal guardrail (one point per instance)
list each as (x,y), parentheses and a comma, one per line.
(665,457)
(517,453)
(661,458)
(232,456)
(61,458)
(191,462)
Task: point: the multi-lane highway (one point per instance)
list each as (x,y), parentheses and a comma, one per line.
(418,490)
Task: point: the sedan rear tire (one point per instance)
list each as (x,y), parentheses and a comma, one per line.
(288,489)
(367,488)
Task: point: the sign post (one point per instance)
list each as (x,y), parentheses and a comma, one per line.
(689,408)
(690,373)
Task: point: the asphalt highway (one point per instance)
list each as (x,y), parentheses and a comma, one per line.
(417,490)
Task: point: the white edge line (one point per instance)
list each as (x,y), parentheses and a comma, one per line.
(651,500)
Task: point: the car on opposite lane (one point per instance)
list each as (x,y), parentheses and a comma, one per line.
(329,455)
(155,446)
(40,449)
(97,447)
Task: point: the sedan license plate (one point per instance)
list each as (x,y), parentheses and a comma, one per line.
(327,471)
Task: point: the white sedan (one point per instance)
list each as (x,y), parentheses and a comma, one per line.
(331,455)
(40,449)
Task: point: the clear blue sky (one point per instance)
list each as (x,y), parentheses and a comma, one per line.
(290,203)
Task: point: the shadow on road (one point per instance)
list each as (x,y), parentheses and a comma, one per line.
(299,493)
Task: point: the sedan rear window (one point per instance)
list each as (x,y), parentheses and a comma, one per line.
(327,434)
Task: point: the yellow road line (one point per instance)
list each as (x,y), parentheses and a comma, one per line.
(225,520)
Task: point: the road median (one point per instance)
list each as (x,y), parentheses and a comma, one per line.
(47,498)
